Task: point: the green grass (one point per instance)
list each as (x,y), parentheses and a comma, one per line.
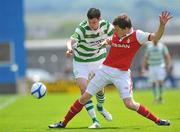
(28,114)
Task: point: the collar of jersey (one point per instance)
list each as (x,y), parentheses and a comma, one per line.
(132,30)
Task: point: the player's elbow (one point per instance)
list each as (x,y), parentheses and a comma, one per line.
(154,37)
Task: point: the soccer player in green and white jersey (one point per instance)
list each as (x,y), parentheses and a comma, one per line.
(88,55)
(158,60)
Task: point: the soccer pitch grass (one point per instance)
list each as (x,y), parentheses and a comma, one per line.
(27,114)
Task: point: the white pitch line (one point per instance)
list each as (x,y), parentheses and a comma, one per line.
(8,102)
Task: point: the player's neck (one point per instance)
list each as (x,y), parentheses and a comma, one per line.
(126,33)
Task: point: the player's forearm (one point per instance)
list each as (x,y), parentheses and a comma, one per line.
(168,60)
(163,19)
(105,42)
(159,33)
(144,64)
(70,43)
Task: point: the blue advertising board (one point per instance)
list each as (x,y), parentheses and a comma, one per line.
(12,35)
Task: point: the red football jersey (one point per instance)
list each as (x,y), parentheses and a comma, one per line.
(122,51)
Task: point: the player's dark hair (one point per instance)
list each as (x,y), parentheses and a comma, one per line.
(122,21)
(93,13)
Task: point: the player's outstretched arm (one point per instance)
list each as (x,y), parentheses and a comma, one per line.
(69,44)
(144,64)
(168,61)
(163,19)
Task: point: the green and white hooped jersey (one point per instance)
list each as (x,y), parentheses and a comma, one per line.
(156,53)
(86,49)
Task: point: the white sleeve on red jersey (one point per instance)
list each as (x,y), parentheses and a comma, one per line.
(142,37)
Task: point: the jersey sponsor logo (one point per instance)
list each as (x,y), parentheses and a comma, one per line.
(96,42)
(128,40)
(121,45)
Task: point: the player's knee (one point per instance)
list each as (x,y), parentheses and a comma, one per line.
(160,83)
(85,98)
(83,88)
(82,91)
(101,92)
(130,104)
(82,83)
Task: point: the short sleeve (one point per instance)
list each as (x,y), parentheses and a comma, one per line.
(77,35)
(142,37)
(110,30)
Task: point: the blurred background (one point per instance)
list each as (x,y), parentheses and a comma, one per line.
(33,36)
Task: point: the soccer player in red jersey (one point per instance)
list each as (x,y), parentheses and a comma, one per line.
(115,69)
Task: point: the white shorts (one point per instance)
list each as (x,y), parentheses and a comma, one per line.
(105,75)
(85,69)
(157,73)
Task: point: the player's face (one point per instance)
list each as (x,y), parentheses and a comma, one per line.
(94,23)
(121,32)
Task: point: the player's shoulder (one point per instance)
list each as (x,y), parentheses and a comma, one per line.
(142,36)
(139,31)
(83,27)
(163,47)
(149,44)
(83,24)
(161,44)
(104,22)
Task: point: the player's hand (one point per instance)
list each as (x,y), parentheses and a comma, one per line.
(105,42)
(142,72)
(69,52)
(168,68)
(164,17)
